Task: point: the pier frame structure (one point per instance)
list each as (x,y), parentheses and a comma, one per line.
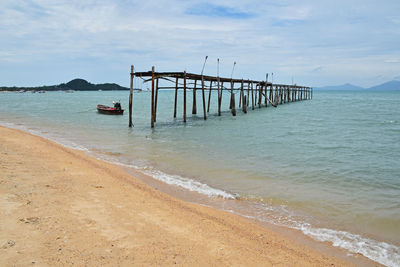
(272,94)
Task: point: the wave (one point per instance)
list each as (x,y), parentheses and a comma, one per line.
(381,252)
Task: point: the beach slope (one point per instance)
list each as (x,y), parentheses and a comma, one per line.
(59,206)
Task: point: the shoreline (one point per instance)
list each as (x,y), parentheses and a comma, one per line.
(75,208)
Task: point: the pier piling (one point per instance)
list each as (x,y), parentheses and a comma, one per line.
(256,90)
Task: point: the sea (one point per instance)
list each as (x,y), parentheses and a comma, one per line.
(328,167)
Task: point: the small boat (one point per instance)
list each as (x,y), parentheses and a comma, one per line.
(116,110)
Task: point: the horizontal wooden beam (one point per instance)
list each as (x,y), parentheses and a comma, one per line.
(192,76)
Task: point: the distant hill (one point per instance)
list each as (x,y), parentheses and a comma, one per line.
(346,86)
(388,86)
(76,85)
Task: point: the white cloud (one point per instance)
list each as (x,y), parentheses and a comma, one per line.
(345,42)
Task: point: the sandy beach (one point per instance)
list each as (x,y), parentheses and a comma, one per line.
(59,206)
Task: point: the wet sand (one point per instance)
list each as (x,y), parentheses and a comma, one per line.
(59,206)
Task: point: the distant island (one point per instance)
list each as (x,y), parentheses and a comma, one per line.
(74,85)
(387,86)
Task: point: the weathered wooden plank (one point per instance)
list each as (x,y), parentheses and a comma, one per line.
(152,98)
(184,97)
(155,101)
(176,96)
(194,107)
(131,97)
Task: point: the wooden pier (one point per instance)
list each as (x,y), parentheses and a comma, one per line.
(252,94)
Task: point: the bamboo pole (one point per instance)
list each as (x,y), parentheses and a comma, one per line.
(152,97)
(176,96)
(131,97)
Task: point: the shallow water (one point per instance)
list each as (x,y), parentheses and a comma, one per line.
(328,166)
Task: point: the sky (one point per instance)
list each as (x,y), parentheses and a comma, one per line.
(312,43)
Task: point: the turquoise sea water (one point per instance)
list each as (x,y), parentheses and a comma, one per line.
(328,166)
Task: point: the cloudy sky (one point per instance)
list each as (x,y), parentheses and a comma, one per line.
(314,42)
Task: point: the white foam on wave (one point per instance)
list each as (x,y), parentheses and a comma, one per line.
(172,179)
(380,252)
(188,184)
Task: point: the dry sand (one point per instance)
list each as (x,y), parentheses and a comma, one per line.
(59,206)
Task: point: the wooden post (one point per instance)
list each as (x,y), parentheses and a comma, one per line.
(294,94)
(255,95)
(194,107)
(204,97)
(152,97)
(233,108)
(248,93)
(300,93)
(156,100)
(259,95)
(176,96)
(230,101)
(184,96)
(244,105)
(240,97)
(266,88)
(131,98)
(281,93)
(252,97)
(286,93)
(209,97)
(271,96)
(220,98)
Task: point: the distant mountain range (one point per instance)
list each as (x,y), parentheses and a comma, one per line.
(75,85)
(387,86)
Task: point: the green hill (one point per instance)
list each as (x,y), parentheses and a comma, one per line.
(76,85)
